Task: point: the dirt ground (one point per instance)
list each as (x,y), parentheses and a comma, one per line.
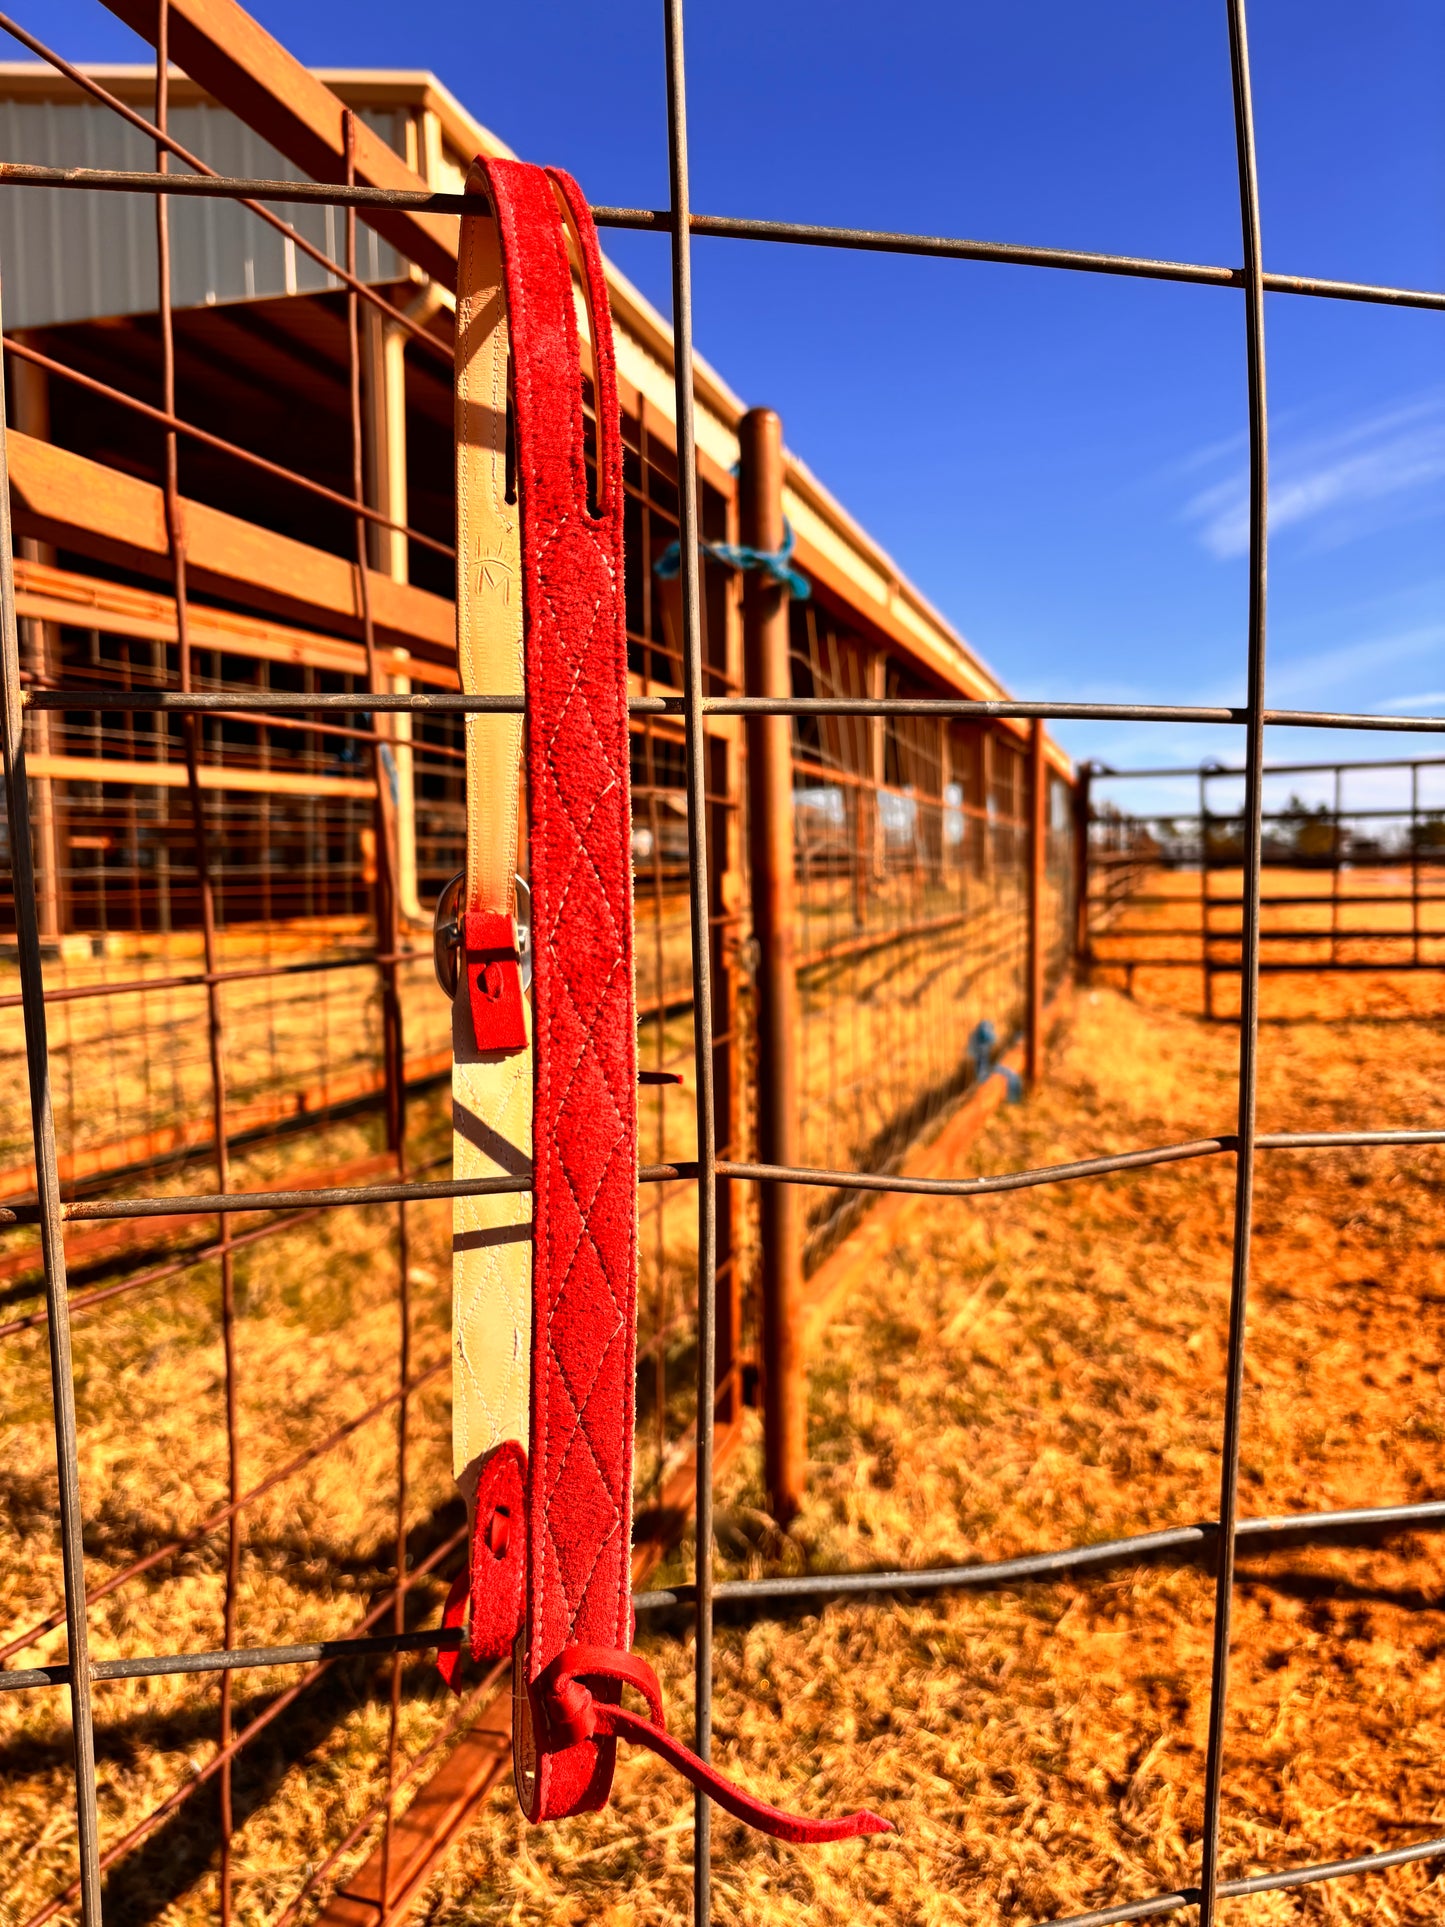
(1043,1369)
(1025,1372)
(1359,918)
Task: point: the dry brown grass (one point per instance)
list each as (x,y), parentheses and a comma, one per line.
(1025,1371)
(317,1344)
(1044,1369)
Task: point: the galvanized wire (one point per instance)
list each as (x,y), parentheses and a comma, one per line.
(726,227)
(1249,981)
(692,704)
(42,1115)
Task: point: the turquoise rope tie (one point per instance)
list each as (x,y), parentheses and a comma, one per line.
(775,563)
(981,1048)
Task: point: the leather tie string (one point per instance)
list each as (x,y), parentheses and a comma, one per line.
(567,1711)
(551,1542)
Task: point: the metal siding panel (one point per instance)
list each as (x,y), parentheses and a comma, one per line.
(66,256)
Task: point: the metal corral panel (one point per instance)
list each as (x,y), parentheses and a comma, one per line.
(69,256)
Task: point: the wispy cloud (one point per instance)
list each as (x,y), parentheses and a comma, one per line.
(1427,701)
(1339,480)
(1351,665)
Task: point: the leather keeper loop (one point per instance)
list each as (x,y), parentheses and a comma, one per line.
(494,981)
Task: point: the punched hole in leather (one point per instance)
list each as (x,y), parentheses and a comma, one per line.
(493,964)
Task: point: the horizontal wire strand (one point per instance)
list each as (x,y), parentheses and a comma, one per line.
(722,227)
(1290,1530)
(103,1210)
(455,702)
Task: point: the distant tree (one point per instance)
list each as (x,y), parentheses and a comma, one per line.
(1308,835)
(1224,840)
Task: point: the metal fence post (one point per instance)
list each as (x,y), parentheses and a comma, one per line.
(1083,806)
(774,915)
(1205,852)
(1038,862)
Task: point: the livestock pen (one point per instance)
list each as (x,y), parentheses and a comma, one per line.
(859,878)
(232,904)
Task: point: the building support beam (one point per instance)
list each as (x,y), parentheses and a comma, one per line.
(61,596)
(383,397)
(40,652)
(82,505)
(234,58)
(1082,806)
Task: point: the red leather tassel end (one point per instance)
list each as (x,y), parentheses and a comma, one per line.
(567,1712)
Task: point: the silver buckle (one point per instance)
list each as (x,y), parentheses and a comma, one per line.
(447,938)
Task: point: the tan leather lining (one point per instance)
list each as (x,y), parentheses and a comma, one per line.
(489,568)
(491,1092)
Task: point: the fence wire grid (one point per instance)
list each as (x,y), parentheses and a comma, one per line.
(940,856)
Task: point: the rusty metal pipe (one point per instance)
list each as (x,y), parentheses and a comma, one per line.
(1038,863)
(775,914)
(1083,805)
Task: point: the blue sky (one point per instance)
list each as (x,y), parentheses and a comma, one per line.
(1057,460)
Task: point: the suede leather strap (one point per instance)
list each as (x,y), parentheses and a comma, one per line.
(584,1110)
(572,1591)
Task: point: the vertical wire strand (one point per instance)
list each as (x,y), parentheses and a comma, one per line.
(660,998)
(52,1238)
(701,933)
(215,1032)
(393,1044)
(1249,960)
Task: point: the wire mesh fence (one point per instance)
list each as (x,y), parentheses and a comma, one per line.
(897,817)
(912,840)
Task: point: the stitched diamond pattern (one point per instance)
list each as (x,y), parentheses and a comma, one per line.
(579,823)
(592,1278)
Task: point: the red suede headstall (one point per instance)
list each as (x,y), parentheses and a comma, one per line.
(553,1568)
